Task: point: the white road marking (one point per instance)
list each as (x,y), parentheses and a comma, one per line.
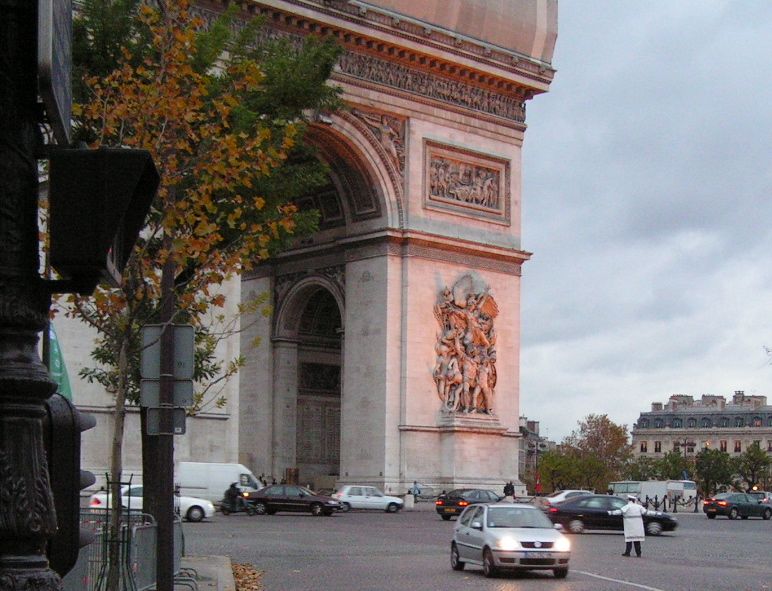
(638,585)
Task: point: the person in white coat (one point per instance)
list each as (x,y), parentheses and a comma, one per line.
(632,517)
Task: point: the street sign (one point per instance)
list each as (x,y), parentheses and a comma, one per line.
(154,420)
(184,349)
(150,393)
(55,64)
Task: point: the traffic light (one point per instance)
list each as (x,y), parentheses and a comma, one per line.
(62,427)
(98,203)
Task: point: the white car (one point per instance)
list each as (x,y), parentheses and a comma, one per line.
(354,496)
(562,495)
(507,536)
(190,508)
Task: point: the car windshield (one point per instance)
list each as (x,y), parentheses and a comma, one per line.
(517,517)
(305,491)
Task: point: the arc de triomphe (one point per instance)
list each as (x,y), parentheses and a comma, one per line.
(392,354)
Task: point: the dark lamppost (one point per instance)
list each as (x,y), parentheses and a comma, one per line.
(27,518)
(687,444)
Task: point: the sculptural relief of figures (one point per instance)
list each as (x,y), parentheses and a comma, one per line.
(458,181)
(465,371)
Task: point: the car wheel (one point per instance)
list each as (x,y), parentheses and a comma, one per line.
(251,510)
(445,517)
(560,573)
(455,560)
(767,514)
(392,508)
(261,508)
(195,514)
(711,515)
(733,513)
(345,507)
(316,509)
(653,528)
(576,526)
(489,567)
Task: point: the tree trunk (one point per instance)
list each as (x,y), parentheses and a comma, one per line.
(116,471)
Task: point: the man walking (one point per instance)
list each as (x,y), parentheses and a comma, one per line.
(632,517)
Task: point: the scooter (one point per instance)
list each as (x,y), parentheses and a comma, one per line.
(242,504)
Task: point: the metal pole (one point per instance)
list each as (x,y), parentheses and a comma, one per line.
(165,517)
(27,517)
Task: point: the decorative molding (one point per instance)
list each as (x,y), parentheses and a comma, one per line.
(466,182)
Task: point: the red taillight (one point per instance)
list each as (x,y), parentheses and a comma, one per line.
(722,503)
(463,503)
(95,502)
(553,510)
(439,502)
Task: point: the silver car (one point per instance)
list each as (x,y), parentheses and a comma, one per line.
(507,536)
(353,496)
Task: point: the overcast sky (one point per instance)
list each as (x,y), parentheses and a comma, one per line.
(647,202)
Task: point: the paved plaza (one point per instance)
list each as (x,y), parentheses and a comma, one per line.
(410,550)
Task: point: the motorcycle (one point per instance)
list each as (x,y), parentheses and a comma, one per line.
(242,504)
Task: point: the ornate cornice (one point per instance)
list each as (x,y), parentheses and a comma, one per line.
(371,62)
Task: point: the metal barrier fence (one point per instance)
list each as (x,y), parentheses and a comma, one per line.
(136,551)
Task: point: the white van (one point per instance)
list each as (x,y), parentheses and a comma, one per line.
(208,480)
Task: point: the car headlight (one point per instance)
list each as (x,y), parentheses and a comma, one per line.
(507,543)
(563,544)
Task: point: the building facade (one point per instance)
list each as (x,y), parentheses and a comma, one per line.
(688,425)
(392,352)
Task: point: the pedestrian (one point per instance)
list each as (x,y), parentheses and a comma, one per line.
(632,518)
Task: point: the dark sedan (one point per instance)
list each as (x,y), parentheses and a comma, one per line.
(735,505)
(591,512)
(453,503)
(290,497)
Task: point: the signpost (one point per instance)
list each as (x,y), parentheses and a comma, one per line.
(55,64)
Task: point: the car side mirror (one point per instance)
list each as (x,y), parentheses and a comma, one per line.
(477,525)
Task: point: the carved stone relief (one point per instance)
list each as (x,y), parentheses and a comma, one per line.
(389,132)
(466,182)
(465,366)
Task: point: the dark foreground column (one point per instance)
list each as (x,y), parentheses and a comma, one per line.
(27,516)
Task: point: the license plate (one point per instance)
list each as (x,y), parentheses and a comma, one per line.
(537,554)
(449,510)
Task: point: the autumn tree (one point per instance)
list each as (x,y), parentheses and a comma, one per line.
(752,465)
(673,465)
(713,468)
(603,447)
(217,130)
(641,468)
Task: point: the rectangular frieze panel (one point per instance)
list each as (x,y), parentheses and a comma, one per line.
(466,182)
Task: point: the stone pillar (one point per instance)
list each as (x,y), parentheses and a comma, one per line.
(27,517)
(285,406)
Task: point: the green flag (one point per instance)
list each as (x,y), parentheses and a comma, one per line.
(57,367)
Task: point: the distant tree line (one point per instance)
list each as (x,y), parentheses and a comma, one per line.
(598,452)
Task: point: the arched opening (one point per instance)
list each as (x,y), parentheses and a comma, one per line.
(317,436)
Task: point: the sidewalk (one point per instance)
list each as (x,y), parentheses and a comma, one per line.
(214,572)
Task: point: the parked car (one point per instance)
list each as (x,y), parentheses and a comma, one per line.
(559,496)
(735,505)
(290,497)
(763,496)
(453,503)
(591,512)
(190,508)
(508,536)
(353,496)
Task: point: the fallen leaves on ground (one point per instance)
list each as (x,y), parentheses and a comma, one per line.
(247,577)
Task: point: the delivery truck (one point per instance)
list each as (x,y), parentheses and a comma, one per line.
(209,480)
(683,489)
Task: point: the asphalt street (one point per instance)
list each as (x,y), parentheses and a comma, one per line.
(374,551)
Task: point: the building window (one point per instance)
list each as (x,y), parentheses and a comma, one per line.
(724,422)
(722,445)
(676,446)
(644,446)
(658,446)
(769,445)
(769,422)
(691,423)
(705,423)
(757,442)
(676,423)
(658,424)
(739,422)
(756,422)
(738,446)
(643,423)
